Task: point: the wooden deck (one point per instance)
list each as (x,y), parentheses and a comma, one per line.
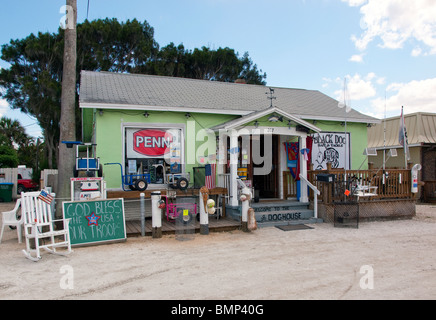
(133,228)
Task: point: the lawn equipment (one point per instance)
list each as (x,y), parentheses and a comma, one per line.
(135,182)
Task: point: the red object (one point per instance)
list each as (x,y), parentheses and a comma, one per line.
(347,192)
(152,142)
(161,204)
(26,184)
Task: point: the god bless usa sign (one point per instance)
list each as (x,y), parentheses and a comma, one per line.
(152,143)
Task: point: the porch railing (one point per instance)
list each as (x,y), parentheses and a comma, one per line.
(396,184)
(289,186)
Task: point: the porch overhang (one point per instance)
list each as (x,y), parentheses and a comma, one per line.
(244,120)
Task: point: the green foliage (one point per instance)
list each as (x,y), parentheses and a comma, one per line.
(8,157)
(33,82)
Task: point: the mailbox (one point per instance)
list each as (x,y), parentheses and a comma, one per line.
(324,177)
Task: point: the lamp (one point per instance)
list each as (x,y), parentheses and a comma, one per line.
(256,124)
(275,118)
(100,112)
(146,114)
(187,115)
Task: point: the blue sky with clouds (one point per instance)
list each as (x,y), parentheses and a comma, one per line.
(382,47)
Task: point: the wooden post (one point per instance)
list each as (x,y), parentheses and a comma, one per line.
(204,218)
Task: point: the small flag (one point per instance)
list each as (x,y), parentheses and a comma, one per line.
(402,136)
(44,196)
(210,172)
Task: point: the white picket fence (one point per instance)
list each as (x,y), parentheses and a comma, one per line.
(10,175)
(44,175)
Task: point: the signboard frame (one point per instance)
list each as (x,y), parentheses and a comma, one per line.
(332,147)
(84,218)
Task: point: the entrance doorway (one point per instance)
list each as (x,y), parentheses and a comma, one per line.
(267,184)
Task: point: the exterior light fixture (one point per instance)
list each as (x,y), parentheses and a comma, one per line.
(187,115)
(146,114)
(100,112)
(256,124)
(275,118)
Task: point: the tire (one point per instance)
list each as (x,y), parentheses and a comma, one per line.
(75,172)
(182,184)
(141,185)
(184,219)
(21,188)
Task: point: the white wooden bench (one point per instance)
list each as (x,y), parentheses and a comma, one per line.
(40,229)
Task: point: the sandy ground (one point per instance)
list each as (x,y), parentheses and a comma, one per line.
(397,257)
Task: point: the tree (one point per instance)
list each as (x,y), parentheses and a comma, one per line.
(13,132)
(223,64)
(8,157)
(33,83)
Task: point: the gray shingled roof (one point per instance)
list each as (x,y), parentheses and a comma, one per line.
(109,90)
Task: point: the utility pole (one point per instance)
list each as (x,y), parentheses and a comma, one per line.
(68,106)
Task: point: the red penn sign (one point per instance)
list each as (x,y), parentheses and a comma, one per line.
(152,142)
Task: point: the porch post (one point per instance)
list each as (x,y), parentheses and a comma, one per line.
(233,168)
(303,171)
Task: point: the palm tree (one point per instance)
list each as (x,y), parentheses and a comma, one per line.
(12,132)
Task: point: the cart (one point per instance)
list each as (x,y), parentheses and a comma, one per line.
(174,180)
(184,212)
(135,182)
(91,164)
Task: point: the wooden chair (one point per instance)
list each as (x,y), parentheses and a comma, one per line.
(39,228)
(9,218)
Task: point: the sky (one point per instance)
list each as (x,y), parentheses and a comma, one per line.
(384,50)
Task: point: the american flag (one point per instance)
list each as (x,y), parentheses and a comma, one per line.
(44,196)
(210,171)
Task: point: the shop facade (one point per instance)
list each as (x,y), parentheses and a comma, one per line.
(163,126)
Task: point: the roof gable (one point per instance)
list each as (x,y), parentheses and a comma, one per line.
(237,123)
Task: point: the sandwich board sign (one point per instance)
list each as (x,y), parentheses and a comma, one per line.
(96,221)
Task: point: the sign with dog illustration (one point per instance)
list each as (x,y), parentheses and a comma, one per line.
(331,147)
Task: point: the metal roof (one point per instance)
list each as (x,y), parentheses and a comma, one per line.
(420,127)
(147,92)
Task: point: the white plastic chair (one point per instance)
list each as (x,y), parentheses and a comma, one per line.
(9,218)
(39,228)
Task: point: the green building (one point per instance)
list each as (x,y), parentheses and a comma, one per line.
(150,124)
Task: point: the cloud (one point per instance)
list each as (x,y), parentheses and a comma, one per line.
(4,106)
(415,96)
(354,3)
(395,22)
(358,87)
(356,58)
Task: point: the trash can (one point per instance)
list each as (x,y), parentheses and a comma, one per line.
(6,192)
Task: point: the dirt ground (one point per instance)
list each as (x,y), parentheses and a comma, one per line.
(380,260)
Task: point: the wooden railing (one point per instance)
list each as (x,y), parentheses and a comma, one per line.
(396,184)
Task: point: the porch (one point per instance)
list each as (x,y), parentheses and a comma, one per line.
(133,227)
(391,196)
